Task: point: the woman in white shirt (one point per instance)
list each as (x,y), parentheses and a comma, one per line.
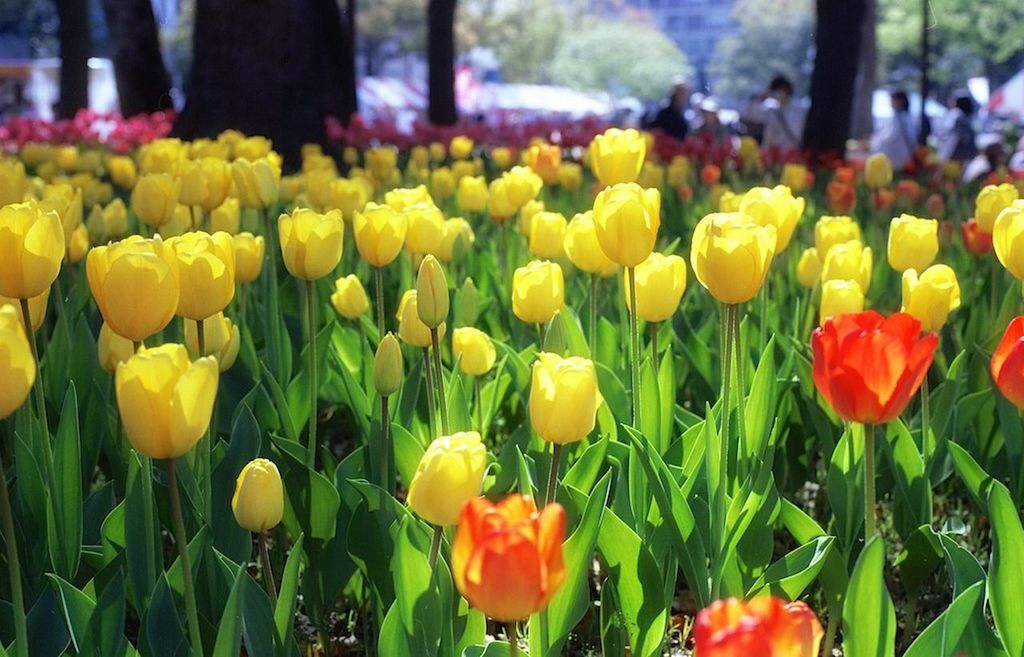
(898,137)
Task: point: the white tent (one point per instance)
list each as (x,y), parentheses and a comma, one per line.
(1008,100)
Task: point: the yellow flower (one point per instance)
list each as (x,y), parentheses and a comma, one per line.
(522,185)
(992,199)
(1007,238)
(79,244)
(850,261)
(582,247)
(570,176)
(749,152)
(502,157)
(913,242)
(877,171)
(545,160)
(249,252)
(258,502)
(432,293)
(830,231)
(135,285)
(206,273)
(472,194)
(808,270)
(155,198)
(404,198)
(17,365)
(442,183)
(616,156)
(794,176)
(538,291)
(36,308)
(426,228)
(382,163)
(660,284)
(627,218)
(498,203)
(115,219)
(526,214)
(547,233)
(437,151)
(387,366)
(467,308)
(165,400)
(66,201)
(221,338)
(776,207)
(651,175)
(558,385)
(112,349)
(461,147)
(349,297)
(456,240)
(311,242)
(411,328)
(931,296)
(349,195)
(678,172)
(218,178)
(473,350)
(380,233)
(450,473)
(13,182)
(226,217)
(730,255)
(159,155)
(256,183)
(318,184)
(192,182)
(840,296)
(32,248)
(252,148)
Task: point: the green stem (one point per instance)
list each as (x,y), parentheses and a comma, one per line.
(653,328)
(206,445)
(439,382)
(593,316)
(435,545)
(153,547)
(40,399)
(541,335)
(741,399)
(513,639)
(719,506)
(378,277)
(428,375)
(926,439)
(830,633)
(869,482)
(385,445)
(313,417)
(634,337)
(478,395)
(268,571)
(178,521)
(556,456)
(14,567)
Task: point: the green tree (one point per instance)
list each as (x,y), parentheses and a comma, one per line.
(628,58)
(523,35)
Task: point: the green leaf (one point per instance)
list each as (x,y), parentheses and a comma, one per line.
(229,634)
(613,633)
(667,385)
(973,475)
(868,613)
(845,492)
(280,404)
(77,609)
(943,635)
(284,613)
(650,405)
(418,602)
(913,505)
(311,500)
(1006,569)
(790,576)
(65,515)
(245,445)
(760,409)
(140,541)
(407,453)
(460,417)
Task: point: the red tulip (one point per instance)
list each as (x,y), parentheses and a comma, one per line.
(840,197)
(762,627)
(710,175)
(867,367)
(1008,363)
(976,241)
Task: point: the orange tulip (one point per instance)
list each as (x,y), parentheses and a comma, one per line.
(544,159)
(976,241)
(1008,363)
(840,197)
(762,627)
(507,557)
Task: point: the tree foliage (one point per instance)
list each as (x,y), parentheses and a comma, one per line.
(524,35)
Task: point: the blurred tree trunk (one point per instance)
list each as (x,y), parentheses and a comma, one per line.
(143,84)
(75,44)
(441,60)
(867,76)
(925,127)
(267,67)
(350,99)
(837,46)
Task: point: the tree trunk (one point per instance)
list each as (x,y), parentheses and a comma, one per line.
(266,67)
(349,98)
(441,60)
(75,44)
(867,77)
(925,128)
(837,44)
(143,85)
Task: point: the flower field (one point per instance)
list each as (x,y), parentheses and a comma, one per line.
(588,393)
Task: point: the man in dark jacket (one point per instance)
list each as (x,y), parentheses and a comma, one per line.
(671,115)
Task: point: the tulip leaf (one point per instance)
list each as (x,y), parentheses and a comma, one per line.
(229,633)
(140,535)
(406,452)
(280,404)
(868,612)
(45,637)
(614,393)
(1006,568)
(77,609)
(667,399)
(284,613)
(492,649)
(943,635)
(417,599)
(833,575)
(650,405)
(64,520)
(845,487)
(913,505)
(965,571)
(245,445)
(311,500)
(613,634)
(460,417)
(585,471)
(790,576)
(977,481)
(163,632)
(760,408)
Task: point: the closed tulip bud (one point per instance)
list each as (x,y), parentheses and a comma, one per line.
(122,171)
(222,340)
(432,293)
(848,261)
(730,256)
(226,217)
(318,187)
(112,349)
(456,240)
(249,252)
(349,196)
(877,171)
(931,296)
(13,182)
(545,160)
(206,272)
(17,364)
(570,176)
(762,626)
(547,234)
(66,201)
(472,194)
(626,219)
(252,148)
(582,246)
(526,215)
(165,400)
(381,162)
(404,198)
(36,308)
(1007,364)
(257,183)
(32,244)
(522,185)
(94,225)
(437,151)
(830,231)
(218,177)
(79,244)
(678,172)
(467,309)
(651,175)
(616,156)
(992,199)
(976,241)
(559,384)
(349,297)
(450,473)
(794,176)
(442,183)
(411,328)
(538,291)
(258,502)
(776,207)
(461,147)
(502,157)
(808,270)
(192,179)
(387,366)
(135,285)
(115,219)
(155,198)
(507,558)
(311,242)
(473,350)
(839,297)
(380,233)
(498,204)
(660,284)
(1008,239)
(913,242)
(426,228)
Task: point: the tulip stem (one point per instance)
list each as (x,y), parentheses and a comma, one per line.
(435,545)
(541,334)
(14,567)
(741,397)
(722,476)
(313,417)
(653,328)
(478,394)
(378,277)
(556,457)
(268,571)
(513,639)
(37,389)
(869,482)
(428,374)
(634,337)
(206,444)
(178,521)
(201,336)
(593,317)
(926,439)
(442,403)
(385,445)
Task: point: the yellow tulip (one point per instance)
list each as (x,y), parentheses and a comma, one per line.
(522,185)
(749,152)
(678,172)
(318,184)
(192,182)
(66,201)
(560,384)
(256,183)
(411,328)
(992,199)
(457,239)
(165,400)
(794,176)
(206,273)
(348,195)
(461,147)
(502,157)
(808,270)
(115,219)
(838,297)
(538,291)
(731,255)
(450,473)
(499,205)
(406,197)
(13,182)
(545,160)
(122,171)
(660,284)
(1008,239)
(442,183)
(252,148)
(627,218)
(651,175)
(380,233)
(582,247)
(437,151)
(311,242)
(32,248)
(526,215)
(387,366)
(349,297)
(432,293)
(473,350)
(79,244)
(616,156)
(155,198)
(850,261)
(547,234)
(112,349)
(426,228)
(830,231)
(776,207)
(226,217)
(877,171)
(135,285)
(36,308)
(258,502)
(218,178)
(17,365)
(913,242)
(381,162)
(221,337)
(728,200)
(570,176)
(472,193)
(467,309)
(249,252)
(159,155)
(931,296)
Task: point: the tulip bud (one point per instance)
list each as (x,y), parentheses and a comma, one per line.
(115,219)
(387,366)
(36,308)
(763,626)
(877,171)
(450,473)
(249,252)
(501,156)
(467,310)
(411,328)
(349,297)
(808,270)
(206,268)
(570,176)
(931,296)
(850,261)
(616,156)
(538,291)
(432,293)
(257,183)
(583,248)
(1008,239)
(627,218)
(17,365)
(258,502)
(460,147)
(526,215)
(992,199)
(473,350)
(226,217)
(830,231)
(32,244)
(380,233)
(499,205)
(457,239)
(559,384)
(913,242)
(348,195)
(660,284)
(426,228)
(522,185)
(547,233)
(730,255)
(976,241)
(472,194)
(311,243)
(221,336)
(112,349)
(794,176)
(775,207)
(839,297)
(154,198)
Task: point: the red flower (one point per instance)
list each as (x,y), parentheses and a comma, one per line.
(935,206)
(884,199)
(1008,363)
(840,197)
(762,627)
(710,175)
(684,192)
(976,241)
(867,367)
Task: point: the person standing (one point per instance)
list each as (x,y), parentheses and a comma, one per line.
(781,115)
(897,138)
(957,142)
(671,115)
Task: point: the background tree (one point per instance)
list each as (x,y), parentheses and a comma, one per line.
(143,84)
(867,75)
(441,62)
(524,35)
(387,28)
(75,44)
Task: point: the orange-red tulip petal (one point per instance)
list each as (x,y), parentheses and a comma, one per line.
(762,627)
(1008,363)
